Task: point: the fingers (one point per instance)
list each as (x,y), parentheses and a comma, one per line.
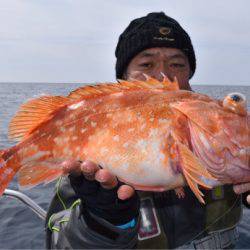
(92,171)
(109,181)
(89,170)
(125,192)
(106,179)
(241,188)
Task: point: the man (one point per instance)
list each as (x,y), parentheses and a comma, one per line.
(92,209)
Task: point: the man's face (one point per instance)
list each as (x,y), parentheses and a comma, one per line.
(155,61)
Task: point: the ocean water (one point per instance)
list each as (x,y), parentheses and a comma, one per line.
(20,227)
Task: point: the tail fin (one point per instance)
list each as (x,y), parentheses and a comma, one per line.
(6,173)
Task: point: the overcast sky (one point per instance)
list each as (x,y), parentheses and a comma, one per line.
(74,40)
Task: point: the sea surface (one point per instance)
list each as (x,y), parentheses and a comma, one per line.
(20,227)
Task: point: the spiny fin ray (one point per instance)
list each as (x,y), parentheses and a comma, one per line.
(193,170)
(122,85)
(30,176)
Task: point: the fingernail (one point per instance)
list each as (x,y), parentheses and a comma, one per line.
(86,169)
(248,199)
(122,197)
(236,189)
(99,177)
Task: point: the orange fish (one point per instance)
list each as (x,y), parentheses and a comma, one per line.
(150,134)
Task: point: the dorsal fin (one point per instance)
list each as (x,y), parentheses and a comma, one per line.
(36,111)
(122,85)
(167,84)
(33,113)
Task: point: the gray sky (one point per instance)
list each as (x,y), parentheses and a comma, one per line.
(74,40)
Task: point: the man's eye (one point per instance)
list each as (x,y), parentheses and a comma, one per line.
(145,65)
(177,65)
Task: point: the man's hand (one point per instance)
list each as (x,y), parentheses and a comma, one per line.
(91,171)
(243,188)
(101,191)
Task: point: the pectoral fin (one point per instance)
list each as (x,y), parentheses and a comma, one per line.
(194,172)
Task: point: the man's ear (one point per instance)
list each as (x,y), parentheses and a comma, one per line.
(191,74)
(125,75)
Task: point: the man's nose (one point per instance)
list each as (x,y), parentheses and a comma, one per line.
(160,71)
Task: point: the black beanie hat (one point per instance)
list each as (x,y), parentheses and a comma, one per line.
(154,30)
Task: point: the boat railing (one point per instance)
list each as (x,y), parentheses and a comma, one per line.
(27,201)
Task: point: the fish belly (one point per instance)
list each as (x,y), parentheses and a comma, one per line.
(137,158)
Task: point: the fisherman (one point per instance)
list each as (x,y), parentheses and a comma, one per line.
(93,209)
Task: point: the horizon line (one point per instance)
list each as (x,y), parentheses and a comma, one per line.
(92,83)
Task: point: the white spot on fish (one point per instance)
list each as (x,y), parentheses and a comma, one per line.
(3,176)
(153,132)
(72,129)
(104,151)
(116,158)
(161,121)
(74,138)
(59,141)
(161,156)
(125,145)
(65,139)
(8,171)
(67,151)
(125,165)
(114,125)
(83,130)
(59,123)
(54,152)
(93,124)
(131,129)
(143,126)
(151,119)
(86,118)
(62,129)
(130,118)
(91,137)
(116,138)
(117,94)
(142,145)
(243,152)
(29,148)
(76,105)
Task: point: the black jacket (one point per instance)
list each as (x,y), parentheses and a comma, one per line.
(182,220)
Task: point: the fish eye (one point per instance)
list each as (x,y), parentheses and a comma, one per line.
(236,103)
(237,97)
